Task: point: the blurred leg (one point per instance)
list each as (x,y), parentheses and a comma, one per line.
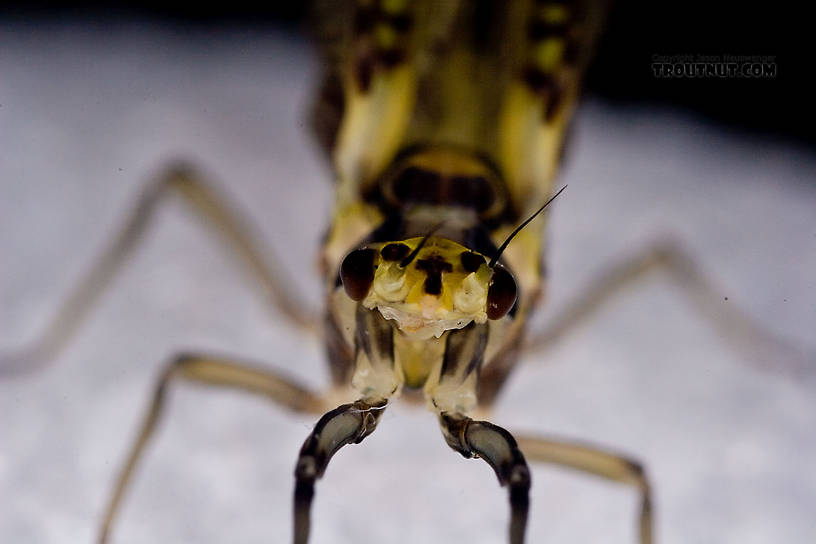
(208,371)
(598,462)
(668,256)
(230,225)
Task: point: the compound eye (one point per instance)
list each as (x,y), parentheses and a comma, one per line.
(501,293)
(357,273)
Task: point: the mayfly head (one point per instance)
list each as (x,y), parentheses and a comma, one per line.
(428,284)
(431,284)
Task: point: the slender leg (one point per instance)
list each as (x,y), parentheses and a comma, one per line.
(595,461)
(669,256)
(347,424)
(377,380)
(474,439)
(209,206)
(209,371)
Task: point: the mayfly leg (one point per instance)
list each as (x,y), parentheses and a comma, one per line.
(482,439)
(592,460)
(213,371)
(346,424)
(668,256)
(229,225)
(456,382)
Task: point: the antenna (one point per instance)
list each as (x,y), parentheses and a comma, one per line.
(407,260)
(501,249)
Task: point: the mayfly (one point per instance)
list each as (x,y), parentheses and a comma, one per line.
(444,123)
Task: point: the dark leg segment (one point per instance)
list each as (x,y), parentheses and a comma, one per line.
(208,371)
(600,463)
(481,439)
(347,424)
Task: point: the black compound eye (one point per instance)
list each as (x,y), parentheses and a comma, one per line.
(471,261)
(395,252)
(357,272)
(501,293)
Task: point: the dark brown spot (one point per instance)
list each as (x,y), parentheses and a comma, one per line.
(554,100)
(364,72)
(471,261)
(634,468)
(357,272)
(364,20)
(341,355)
(572,52)
(390,57)
(327,113)
(415,184)
(538,30)
(395,252)
(464,347)
(433,285)
(374,335)
(473,191)
(401,22)
(546,85)
(501,293)
(538,80)
(433,266)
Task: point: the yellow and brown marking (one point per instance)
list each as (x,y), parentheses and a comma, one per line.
(434,266)
(444,177)
(380,31)
(551,53)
